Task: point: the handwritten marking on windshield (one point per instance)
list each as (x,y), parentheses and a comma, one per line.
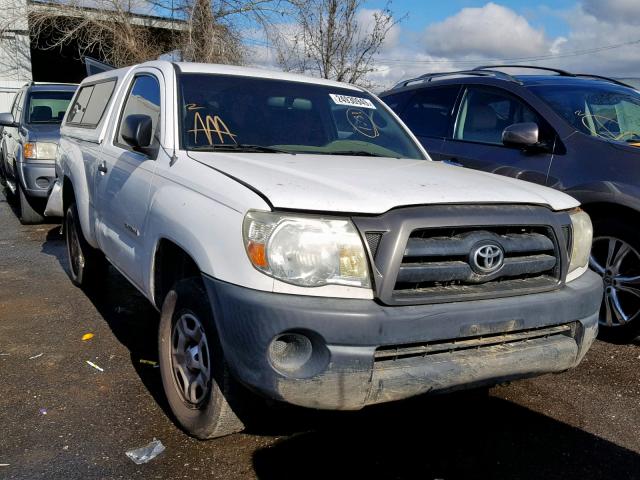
(209,126)
(603,126)
(362,123)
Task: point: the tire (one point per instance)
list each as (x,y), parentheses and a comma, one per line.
(211,408)
(26,208)
(3,175)
(86,264)
(620,270)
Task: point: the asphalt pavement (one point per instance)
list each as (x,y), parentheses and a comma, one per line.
(63,418)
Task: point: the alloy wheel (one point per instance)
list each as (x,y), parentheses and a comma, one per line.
(618,263)
(76,258)
(190,358)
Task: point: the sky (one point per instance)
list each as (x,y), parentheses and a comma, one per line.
(586,36)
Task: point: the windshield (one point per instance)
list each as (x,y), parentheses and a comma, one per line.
(47,107)
(605,111)
(263,115)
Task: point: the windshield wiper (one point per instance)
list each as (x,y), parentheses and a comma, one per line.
(240,147)
(357,153)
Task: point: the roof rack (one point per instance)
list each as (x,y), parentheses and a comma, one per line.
(600,77)
(562,73)
(34,84)
(490,71)
(427,77)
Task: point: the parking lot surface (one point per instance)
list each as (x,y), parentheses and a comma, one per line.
(62,418)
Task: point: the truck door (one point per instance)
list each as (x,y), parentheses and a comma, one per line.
(483,114)
(124,178)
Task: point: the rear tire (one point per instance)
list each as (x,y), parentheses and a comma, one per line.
(26,207)
(86,264)
(201,392)
(615,256)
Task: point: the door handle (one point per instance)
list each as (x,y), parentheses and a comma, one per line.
(102,167)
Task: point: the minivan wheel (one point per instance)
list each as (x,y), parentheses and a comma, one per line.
(86,264)
(615,256)
(203,396)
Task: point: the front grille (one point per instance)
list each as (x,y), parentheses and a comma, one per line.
(423,254)
(390,353)
(439,261)
(373,240)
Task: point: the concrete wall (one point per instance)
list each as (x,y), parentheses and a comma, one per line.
(15,52)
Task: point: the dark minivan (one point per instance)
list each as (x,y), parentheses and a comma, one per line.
(576,133)
(30,135)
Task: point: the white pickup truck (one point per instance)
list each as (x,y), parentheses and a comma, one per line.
(301,245)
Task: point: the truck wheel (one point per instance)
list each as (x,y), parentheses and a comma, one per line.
(86,264)
(28,214)
(615,256)
(200,390)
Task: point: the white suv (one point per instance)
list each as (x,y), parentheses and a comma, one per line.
(299,241)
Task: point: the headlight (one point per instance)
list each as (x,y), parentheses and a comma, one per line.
(582,235)
(40,151)
(305,250)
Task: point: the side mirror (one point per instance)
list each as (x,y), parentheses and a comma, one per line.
(7,120)
(137,130)
(521,135)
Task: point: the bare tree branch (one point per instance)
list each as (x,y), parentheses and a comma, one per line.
(123,32)
(330,41)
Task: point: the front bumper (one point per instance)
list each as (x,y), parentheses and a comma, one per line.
(36,177)
(346,370)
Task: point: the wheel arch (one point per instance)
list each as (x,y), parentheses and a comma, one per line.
(609,209)
(171,263)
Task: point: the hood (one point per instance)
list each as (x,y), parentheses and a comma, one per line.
(46,132)
(371,184)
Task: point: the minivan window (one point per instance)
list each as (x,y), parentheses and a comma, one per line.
(604,111)
(89,106)
(428,113)
(48,107)
(227,112)
(484,114)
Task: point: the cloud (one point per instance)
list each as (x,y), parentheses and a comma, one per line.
(595,34)
(613,11)
(366,21)
(476,36)
(491,31)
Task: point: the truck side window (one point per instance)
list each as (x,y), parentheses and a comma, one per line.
(428,113)
(143,98)
(90,104)
(484,114)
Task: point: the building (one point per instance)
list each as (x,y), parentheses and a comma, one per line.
(25,58)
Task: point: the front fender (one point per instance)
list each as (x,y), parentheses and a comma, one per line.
(607,192)
(209,231)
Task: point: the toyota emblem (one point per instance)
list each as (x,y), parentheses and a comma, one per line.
(487,258)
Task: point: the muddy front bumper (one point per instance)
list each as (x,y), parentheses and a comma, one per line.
(364,353)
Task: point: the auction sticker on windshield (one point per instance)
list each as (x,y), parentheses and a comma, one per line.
(351,101)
